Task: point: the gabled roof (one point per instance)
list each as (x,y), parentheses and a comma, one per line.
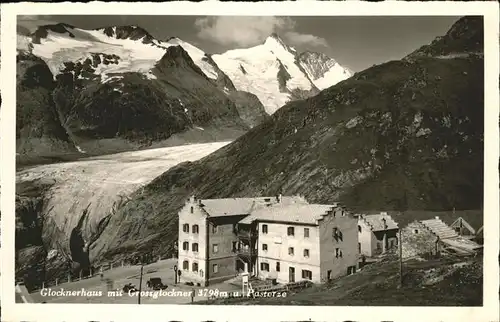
(475,220)
(292,213)
(439,228)
(376,221)
(242,206)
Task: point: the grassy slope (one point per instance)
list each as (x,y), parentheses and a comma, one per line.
(378,285)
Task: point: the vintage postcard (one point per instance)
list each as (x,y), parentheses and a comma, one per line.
(194,161)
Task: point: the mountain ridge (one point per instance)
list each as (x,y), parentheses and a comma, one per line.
(85,81)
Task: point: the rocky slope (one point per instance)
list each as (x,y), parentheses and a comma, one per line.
(391,137)
(118,88)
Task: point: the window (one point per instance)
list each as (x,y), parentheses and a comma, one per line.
(306,252)
(215,268)
(306,232)
(215,248)
(278,266)
(415,231)
(307,274)
(359,248)
(337,234)
(214,229)
(195,267)
(290,251)
(338,253)
(185,265)
(359,228)
(264,267)
(185,246)
(264,247)
(192,209)
(194,247)
(185,228)
(235,246)
(291,231)
(264,229)
(196,229)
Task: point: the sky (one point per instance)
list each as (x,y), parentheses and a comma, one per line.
(356,42)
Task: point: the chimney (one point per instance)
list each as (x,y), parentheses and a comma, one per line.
(192,199)
(385,223)
(278,198)
(437,217)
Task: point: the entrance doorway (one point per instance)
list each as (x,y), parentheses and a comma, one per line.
(291,274)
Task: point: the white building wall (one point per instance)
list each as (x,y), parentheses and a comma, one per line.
(278,243)
(195,218)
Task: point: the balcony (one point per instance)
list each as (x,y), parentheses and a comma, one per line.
(245,234)
(246,251)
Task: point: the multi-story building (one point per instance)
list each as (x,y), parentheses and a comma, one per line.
(283,238)
(377,234)
(304,241)
(210,248)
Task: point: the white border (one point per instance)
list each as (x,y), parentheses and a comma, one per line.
(112,312)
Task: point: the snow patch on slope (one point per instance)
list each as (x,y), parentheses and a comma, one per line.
(333,76)
(135,56)
(23,43)
(323,71)
(197,55)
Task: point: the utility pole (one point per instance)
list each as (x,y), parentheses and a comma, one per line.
(140,280)
(400,260)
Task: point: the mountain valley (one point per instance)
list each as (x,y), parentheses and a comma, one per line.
(390,137)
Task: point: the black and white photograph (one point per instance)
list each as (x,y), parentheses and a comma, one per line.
(261,160)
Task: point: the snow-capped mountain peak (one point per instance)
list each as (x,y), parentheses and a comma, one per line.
(274,72)
(274,42)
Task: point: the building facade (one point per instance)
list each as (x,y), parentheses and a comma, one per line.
(377,234)
(210,248)
(304,242)
(280,238)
